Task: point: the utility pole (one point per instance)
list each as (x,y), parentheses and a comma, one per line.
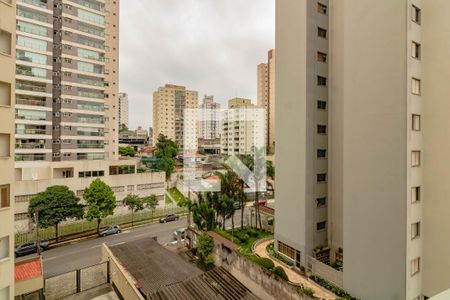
(38,242)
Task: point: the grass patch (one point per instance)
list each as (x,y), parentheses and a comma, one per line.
(176,194)
(244,237)
(270,249)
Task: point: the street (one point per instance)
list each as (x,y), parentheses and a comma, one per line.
(79,254)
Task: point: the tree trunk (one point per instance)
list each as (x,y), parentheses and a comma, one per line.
(242,206)
(56,232)
(132,214)
(232,227)
(98,225)
(258,214)
(223,224)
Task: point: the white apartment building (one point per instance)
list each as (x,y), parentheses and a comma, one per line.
(362,142)
(209,119)
(242,127)
(123,109)
(7,83)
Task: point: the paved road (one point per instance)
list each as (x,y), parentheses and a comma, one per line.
(79,254)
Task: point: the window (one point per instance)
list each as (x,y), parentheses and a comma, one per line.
(286,250)
(4,196)
(5,94)
(416,122)
(415,230)
(321,8)
(4,247)
(321,81)
(321,57)
(415,88)
(4,145)
(322,129)
(322,32)
(415,266)
(415,194)
(321,153)
(321,177)
(416,14)
(5,42)
(415,50)
(415,158)
(321,202)
(322,105)
(321,225)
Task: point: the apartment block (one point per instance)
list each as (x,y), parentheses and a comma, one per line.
(266,93)
(242,127)
(123,110)
(66,80)
(7,83)
(169,104)
(209,123)
(362,142)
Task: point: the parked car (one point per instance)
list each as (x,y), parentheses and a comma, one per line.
(29,248)
(169,218)
(180,231)
(114,229)
(237,205)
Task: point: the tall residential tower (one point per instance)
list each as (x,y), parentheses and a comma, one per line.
(123,110)
(7,80)
(362,142)
(266,93)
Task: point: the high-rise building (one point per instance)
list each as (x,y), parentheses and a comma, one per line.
(241,127)
(209,123)
(123,109)
(7,82)
(362,142)
(169,103)
(266,93)
(67,80)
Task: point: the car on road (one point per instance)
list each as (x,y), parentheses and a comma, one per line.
(180,231)
(169,218)
(114,229)
(237,205)
(29,248)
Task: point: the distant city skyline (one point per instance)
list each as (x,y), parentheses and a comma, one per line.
(165,48)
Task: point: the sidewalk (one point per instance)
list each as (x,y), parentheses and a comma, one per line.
(294,277)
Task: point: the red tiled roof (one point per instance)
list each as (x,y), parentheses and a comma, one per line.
(28,270)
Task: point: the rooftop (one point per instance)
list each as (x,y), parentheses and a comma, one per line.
(28,269)
(162,274)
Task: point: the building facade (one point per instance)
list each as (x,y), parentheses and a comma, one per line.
(266,93)
(7,83)
(361,142)
(169,104)
(66,80)
(123,110)
(242,127)
(209,123)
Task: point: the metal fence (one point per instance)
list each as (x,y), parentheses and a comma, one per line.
(77,281)
(79,227)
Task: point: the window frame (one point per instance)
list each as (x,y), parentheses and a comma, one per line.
(416,14)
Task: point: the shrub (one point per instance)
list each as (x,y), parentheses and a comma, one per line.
(265,263)
(331,287)
(279,271)
(307,291)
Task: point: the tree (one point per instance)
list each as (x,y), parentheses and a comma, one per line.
(232,186)
(100,200)
(203,213)
(201,151)
(150,202)
(228,210)
(205,247)
(123,128)
(54,205)
(134,203)
(166,151)
(127,151)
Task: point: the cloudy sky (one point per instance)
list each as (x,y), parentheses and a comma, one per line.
(211,46)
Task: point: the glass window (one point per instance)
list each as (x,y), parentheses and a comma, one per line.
(31,57)
(415,50)
(31,43)
(416,14)
(416,122)
(322,8)
(415,266)
(322,32)
(415,194)
(88,67)
(415,158)
(415,230)
(321,225)
(31,71)
(89,54)
(4,196)
(5,42)
(91,17)
(416,88)
(30,114)
(31,28)
(31,14)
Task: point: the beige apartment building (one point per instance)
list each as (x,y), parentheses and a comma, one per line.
(123,110)
(266,93)
(362,142)
(169,104)
(67,80)
(7,82)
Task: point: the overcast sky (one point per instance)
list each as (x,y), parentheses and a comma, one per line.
(211,46)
